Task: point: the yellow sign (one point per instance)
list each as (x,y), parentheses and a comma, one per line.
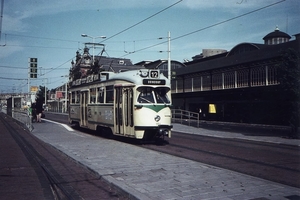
(34,88)
(212,108)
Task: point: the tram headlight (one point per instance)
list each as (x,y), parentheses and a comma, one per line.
(164,132)
(157,118)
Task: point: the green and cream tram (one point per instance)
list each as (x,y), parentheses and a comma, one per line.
(134,103)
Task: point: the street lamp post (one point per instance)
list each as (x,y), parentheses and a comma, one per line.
(85,35)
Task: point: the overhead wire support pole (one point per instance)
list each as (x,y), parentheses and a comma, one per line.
(1,17)
(169,56)
(28,81)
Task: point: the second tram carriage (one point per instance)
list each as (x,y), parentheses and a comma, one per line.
(134,103)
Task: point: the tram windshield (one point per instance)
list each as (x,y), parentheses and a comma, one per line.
(153,95)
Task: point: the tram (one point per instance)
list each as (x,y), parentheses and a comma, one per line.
(133,103)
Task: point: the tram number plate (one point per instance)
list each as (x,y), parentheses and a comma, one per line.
(154,74)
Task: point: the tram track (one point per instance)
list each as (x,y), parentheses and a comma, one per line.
(48,177)
(274,162)
(60,176)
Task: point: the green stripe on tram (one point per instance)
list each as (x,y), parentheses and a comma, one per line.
(156,108)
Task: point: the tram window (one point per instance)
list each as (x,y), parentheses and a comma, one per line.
(146,95)
(109,94)
(93,95)
(100,95)
(73,97)
(77,96)
(161,95)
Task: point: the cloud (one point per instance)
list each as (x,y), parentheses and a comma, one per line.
(13,24)
(13,48)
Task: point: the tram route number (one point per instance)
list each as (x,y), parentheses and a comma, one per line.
(154,74)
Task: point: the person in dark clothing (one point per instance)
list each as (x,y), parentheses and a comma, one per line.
(39,110)
(33,112)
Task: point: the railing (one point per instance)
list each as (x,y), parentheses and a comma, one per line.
(185,117)
(20,115)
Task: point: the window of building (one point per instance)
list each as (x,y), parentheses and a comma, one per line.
(217,81)
(242,78)
(229,79)
(258,76)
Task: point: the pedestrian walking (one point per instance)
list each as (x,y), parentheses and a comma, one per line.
(39,110)
(33,112)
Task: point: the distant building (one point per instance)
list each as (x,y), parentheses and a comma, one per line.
(242,85)
(276,37)
(84,65)
(209,52)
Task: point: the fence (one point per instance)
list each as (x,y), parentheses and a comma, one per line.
(185,117)
(20,115)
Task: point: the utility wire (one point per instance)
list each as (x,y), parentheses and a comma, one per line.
(43,38)
(124,30)
(58,66)
(13,78)
(13,67)
(228,20)
(141,21)
(207,27)
(103,40)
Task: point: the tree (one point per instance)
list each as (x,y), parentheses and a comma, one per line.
(40,95)
(289,78)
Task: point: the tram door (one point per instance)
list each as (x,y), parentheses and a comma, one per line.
(83,107)
(124,111)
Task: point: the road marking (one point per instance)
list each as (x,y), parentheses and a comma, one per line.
(64,125)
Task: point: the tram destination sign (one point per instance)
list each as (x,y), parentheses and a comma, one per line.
(154,82)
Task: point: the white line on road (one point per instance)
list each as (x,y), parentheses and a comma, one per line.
(64,125)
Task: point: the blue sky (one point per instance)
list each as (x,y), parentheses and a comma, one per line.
(51,31)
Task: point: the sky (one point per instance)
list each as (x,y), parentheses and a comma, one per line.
(51,31)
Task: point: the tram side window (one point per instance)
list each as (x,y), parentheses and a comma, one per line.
(73,97)
(146,95)
(100,95)
(93,95)
(77,97)
(109,94)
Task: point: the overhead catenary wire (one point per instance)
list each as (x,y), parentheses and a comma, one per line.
(207,27)
(172,39)
(126,29)
(179,37)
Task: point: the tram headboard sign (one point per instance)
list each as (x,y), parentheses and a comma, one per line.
(154,82)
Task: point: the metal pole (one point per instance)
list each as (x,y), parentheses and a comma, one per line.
(169,56)
(66,93)
(29,95)
(46,91)
(93,49)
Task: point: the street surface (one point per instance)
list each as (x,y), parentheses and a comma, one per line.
(275,162)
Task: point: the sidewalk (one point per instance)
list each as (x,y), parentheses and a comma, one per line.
(146,174)
(228,134)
